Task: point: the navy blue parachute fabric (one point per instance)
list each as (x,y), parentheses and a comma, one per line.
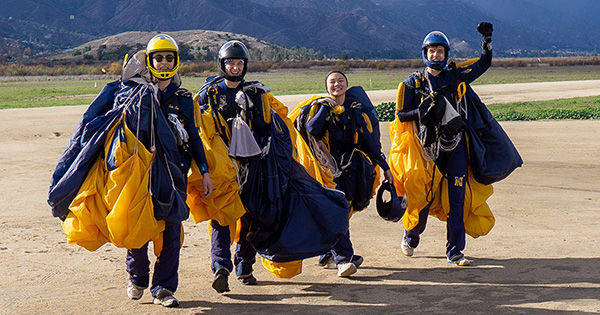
(493,155)
(358,180)
(358,94)
(295,217)
(268,178)
(84,147)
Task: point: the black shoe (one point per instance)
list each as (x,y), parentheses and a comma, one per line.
(220,282)
(357,260)
(248,279)
(326,259)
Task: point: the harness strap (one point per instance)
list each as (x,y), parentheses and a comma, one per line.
(211,95)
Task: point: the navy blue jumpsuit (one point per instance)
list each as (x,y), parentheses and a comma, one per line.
(245,254)
(167,264)
(456,169)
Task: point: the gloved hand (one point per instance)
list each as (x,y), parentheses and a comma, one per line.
(242,101)
(486,29)
(180,132)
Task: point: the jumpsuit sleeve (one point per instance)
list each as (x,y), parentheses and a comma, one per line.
(408,110)
(315,125)
(195,144)
(475,70)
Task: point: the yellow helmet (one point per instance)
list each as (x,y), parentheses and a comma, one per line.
(162,42)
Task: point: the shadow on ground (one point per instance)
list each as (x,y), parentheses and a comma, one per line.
(490,287)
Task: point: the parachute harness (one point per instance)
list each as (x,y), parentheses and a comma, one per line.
(442,143)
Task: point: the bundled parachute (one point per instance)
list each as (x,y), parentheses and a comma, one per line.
(118,180)
(293,216)
(314,154)
(289,207)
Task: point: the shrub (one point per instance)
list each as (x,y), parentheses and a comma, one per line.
(386,111)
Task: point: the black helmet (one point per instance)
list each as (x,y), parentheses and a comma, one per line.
(391,210)
(233,49)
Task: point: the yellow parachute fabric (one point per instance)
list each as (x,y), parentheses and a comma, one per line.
(304,155)
(115,205)
(416,181)
(85,225)
(283,270)
(478,217)
(224,204)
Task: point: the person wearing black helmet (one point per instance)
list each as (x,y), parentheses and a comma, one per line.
(435,101)
(229,95)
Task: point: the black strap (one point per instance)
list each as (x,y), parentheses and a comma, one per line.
(210,94)
(455,81)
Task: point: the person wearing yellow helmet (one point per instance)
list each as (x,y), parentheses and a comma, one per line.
(162,45)
(177,111)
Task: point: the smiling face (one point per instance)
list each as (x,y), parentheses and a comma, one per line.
(160,60)
(436,53)
(336,85)
(234,67)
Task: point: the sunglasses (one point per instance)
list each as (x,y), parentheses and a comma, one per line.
(159,58)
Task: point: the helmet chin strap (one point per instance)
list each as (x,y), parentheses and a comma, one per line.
(236,78)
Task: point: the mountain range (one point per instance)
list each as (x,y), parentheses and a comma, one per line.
(369,28)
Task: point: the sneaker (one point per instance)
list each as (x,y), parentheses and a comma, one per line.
(134,292)
(406,249)
(247,279)
(459,260)
(326,261)
(357,260)
(165,298)
(220,282)
(346,269)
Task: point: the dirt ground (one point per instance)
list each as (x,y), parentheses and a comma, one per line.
(542,256)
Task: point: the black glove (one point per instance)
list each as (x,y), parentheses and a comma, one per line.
(485,28)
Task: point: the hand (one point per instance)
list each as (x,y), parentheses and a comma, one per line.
(207,184)
(388,176)
(485,28)
(242,101)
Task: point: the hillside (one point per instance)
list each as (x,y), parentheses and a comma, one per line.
(193,45)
